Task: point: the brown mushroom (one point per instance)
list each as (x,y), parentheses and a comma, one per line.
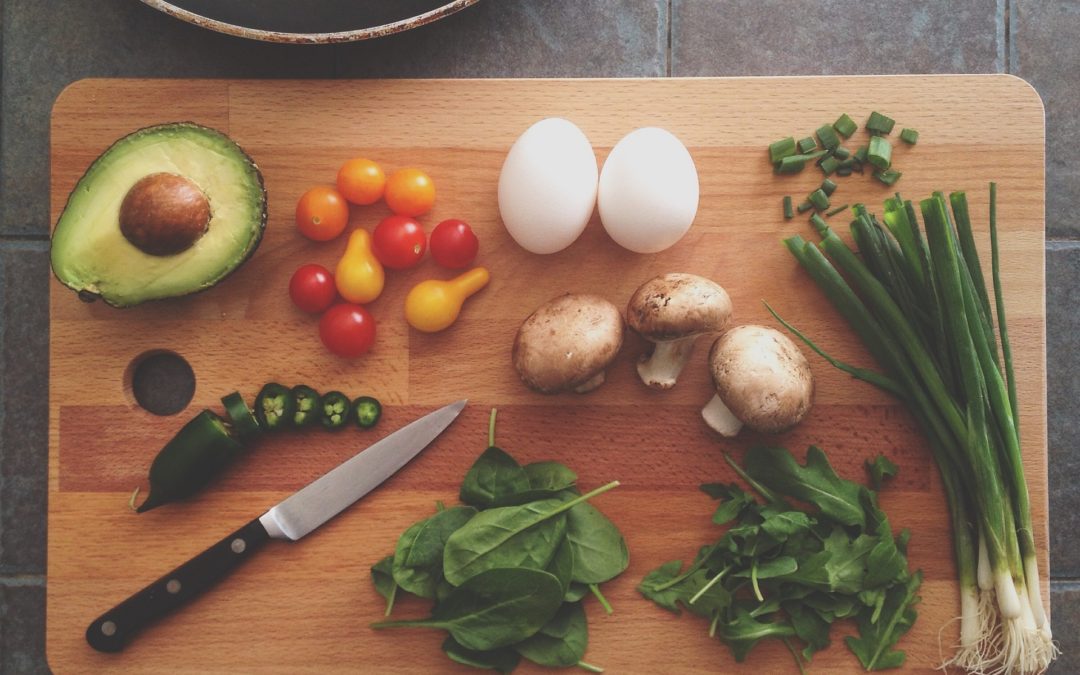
(762,381)
(671,311)
(567,343)
(164,214)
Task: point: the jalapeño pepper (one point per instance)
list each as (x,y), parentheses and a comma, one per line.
(274,407)
(366,411)
(243,421)
(306,402)
(335,410)
(198,451)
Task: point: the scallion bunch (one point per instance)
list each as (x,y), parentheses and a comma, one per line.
(919,303)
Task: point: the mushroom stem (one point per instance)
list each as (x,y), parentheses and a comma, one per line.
(661,368)
(720,418)
(590,384)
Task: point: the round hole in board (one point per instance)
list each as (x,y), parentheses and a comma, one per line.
(161,382)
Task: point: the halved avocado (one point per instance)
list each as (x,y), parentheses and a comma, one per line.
(166,211)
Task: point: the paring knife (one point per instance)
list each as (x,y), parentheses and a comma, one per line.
(298,515)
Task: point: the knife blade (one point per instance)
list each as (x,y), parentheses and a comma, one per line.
(291,519)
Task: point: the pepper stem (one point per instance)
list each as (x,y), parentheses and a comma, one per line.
(491,428)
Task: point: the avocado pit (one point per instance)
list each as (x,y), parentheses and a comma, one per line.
(164,214)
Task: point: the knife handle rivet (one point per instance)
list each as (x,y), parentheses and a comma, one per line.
(108,629)
(238,545)
(173,586)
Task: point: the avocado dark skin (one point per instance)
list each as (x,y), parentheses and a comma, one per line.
(165,215)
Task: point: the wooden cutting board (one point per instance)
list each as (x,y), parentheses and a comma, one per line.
(306,606)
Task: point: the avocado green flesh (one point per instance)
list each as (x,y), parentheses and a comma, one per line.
(89,252)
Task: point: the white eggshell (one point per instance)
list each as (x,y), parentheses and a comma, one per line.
(648,193)
(547,187)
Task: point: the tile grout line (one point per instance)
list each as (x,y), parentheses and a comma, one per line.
(670,13)
(22,580)
(1006,39)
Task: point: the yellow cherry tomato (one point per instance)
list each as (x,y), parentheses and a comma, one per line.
(361,181)
(359,276)
(434,305)
(410,192)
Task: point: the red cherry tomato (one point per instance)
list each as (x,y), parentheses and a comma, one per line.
(399,242)
(453,244)
(312,288)
(347,330)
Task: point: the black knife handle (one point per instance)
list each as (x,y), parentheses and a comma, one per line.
(113,629)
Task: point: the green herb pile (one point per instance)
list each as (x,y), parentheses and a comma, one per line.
(782,572)
(920,304)
(508,570)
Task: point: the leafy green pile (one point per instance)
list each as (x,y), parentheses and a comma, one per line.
(781,572)
(509,569)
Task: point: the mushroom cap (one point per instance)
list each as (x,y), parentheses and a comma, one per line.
(762,377)
(678,305)
(567,341)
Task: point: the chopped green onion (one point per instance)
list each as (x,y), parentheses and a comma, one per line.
(829,165)
(844,170)
(845,126)
(807,144)
(829,139)
(835,211)
(804,207)
(909,136)
(780,149)
(795,163)
(888,176)
(789,212)
(879,124)
(819,199)
(841,153)
(820,226)
(828,187)
(861,154)
(880,153)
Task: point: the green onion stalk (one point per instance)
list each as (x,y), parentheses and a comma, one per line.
(920,304)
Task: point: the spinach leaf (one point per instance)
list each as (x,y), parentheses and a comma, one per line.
(551,476)
(494,476)
(561,642)
(562,565)
(493,609)
(874,646)
(599,550)
(576,592)
(510,536)
(816,482)
(504,659)
(382,575)
(419,554)
(880,469)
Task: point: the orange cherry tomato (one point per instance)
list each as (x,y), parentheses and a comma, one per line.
(410,192)
(361,181)
(322,213)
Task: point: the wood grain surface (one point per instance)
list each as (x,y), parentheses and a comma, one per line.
(306,606)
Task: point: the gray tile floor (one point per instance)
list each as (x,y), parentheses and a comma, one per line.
(46,45)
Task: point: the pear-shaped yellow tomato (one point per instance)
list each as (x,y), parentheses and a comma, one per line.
(434,305)
(359,276)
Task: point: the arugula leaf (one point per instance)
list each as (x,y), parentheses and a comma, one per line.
(504,659)
(715,597)
(880,469)
(418,559)
(733,500)
(493,476)
(816,482)
(656,586)
(874,646)
(781,525)
(743,632)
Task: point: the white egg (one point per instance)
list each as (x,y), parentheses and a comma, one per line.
(648,193)
(547,187)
